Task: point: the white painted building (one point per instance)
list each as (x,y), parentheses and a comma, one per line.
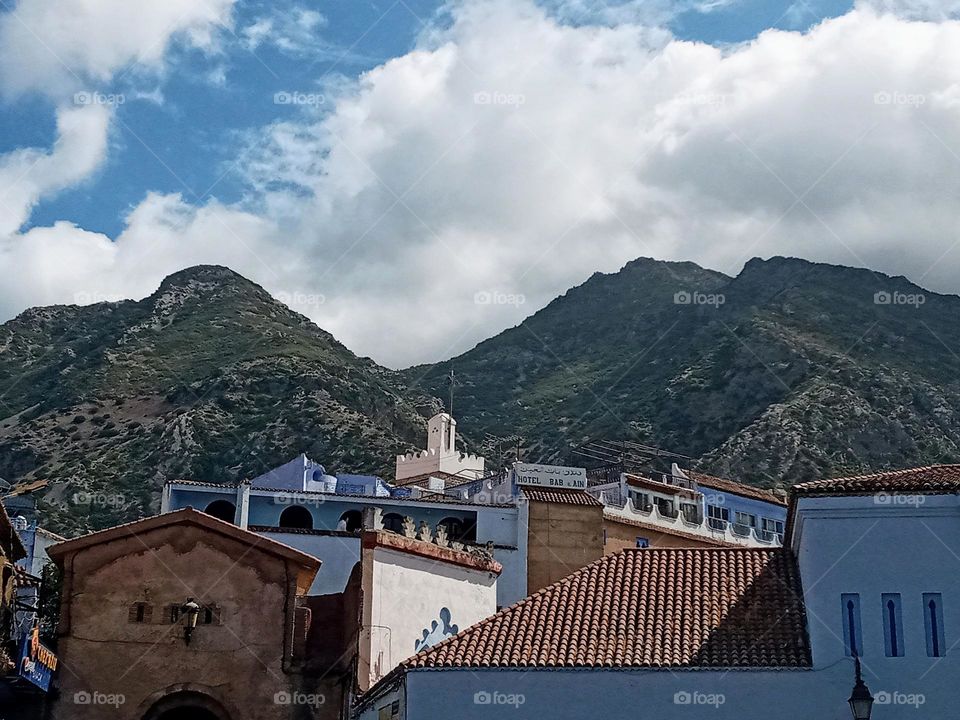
(695,505)
(441,457)
(870,567)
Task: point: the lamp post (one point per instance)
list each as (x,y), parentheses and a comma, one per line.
(191,611)
(861,701)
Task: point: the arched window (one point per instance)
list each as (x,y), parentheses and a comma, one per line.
(393,522)
(933,622)
(296,516)
(351,521)
(892,628)
(222,510)
(460,530)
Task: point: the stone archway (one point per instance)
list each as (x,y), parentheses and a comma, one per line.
(186,705)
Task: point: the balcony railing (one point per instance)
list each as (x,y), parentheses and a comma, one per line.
(717,524)
(683,519)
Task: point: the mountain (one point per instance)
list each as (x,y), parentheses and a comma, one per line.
(789,371)
(209,378)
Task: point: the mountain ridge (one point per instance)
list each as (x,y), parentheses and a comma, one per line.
(788,371)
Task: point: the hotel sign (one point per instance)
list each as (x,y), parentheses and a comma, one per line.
(36,663)
(550,476)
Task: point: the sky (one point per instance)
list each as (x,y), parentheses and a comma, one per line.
(416,176)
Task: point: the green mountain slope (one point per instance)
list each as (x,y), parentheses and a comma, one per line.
(209,377)
(786,372)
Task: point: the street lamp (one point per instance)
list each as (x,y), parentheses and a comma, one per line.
(191,611)
(861,701)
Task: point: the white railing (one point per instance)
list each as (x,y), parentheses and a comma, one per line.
(710,528)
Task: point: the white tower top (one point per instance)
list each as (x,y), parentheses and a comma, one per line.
(441,455)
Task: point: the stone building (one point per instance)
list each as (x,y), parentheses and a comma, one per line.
(183,615)
(125,644)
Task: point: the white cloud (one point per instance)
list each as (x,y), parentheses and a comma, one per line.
(934,10)
(29,173)
(290,28)
(512,155)
(62,46)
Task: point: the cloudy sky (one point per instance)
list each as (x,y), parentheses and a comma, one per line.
(417,175)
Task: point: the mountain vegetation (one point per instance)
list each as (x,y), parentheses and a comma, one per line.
(787,372)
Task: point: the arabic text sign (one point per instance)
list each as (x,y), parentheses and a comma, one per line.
(550,476)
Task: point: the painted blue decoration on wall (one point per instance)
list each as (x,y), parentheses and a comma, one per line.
(437,632)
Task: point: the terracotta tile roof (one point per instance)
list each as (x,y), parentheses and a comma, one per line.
(930,480)
(736,488)
(706,539)
(560,495)
(659,608)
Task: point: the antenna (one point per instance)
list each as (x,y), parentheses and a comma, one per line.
(452,377)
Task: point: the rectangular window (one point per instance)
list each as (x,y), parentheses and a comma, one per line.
(933,623)
(852,639)
(773,526)
(691,512)
(746,519)
(643,542)
(718,513)
(892,625)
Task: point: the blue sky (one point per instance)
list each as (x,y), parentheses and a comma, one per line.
(443,152)
(188,142)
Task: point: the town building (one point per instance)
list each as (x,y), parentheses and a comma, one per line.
(183,615)
(682,508)
(867,577)
(23,682)
(327,525)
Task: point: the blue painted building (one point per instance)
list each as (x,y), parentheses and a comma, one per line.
(302,506)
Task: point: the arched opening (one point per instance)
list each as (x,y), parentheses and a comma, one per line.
(393,522)
(351,521)
(460,530)
(298,517)
(222,510)
(187,705)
